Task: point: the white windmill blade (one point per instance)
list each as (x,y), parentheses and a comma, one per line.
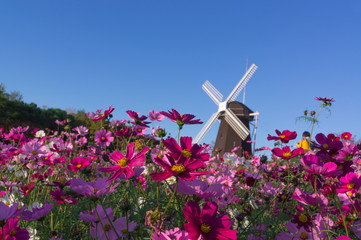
(212,92)
(206,127)
(236,124)
(242,83)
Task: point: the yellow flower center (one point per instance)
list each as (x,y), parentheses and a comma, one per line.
(103,139)
(124,230)
(287,154)
(154,117)
(34,152)
(62,197)
(350,185)
(282,136)
(226,183)
(95,190)
(258,234)
(7,203)
(102,115)
(340,167)
(123,162)
(205,228)
(186,153)
(178,168)
(303,235)
(13,232)
(303,218)
(325,146)
(78,166)
(107,228)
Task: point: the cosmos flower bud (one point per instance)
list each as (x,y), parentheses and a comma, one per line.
(328,189)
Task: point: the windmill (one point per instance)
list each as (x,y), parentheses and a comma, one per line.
(235,117)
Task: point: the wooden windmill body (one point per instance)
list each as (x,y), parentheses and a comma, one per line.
(235,118)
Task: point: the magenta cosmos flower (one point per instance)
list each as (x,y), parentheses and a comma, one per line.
(181,119)
(138,120)
(185,149)
(350,183)
(205,223)
(328,144)
(92,189)
(284,136)
(12,231)
(326,101)
(155,116)
(103,138)
(184,168)
(104,231)
(103,115)
(346,136)
(125,164)
(77,164)
(286,153)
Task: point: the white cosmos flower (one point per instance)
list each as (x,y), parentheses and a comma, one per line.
(40,134)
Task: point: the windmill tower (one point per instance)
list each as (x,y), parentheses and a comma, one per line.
(235,117)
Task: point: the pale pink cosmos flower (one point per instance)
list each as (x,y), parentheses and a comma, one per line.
(82,131)
(91,189)
(34,150)
(103,138)
(155,116)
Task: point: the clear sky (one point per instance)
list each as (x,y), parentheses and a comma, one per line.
(144,55)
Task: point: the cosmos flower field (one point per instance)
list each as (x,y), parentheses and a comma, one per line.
(126,180)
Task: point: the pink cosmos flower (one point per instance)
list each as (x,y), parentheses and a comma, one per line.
(350,183)
(205,223)
(27,189)
(185,149)
(106,113)
(184,168)
(286,153)
(103,138)
(139,130)
(12,231)
(173,234)
(310,199)
(125,164)
(326,101)
(60,198)
(37,213)
(82,131)
(155,116)
(346,136)
(138,120)
(181,119)
(77,164)
(91,189)
(285,136)
(313,166)
(34,150)
(200,188)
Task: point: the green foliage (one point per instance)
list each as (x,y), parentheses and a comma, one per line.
(15,112)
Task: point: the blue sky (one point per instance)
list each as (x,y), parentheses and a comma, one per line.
(145,55)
